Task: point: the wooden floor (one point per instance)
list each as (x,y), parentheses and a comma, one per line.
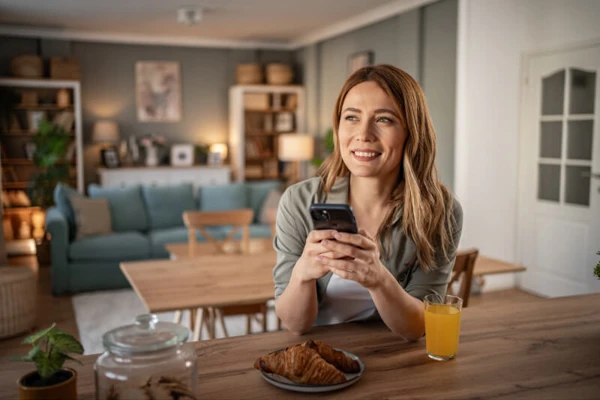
(59,309)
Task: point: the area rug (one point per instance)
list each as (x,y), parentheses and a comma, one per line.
(98,312)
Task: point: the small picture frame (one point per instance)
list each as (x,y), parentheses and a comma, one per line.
(30,150)
(358,60)
(65,119)
(34,118)
(182,155)
(110,158)
(284,122)
(215,159)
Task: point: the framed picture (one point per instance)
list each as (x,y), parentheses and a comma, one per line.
(182,155)
(34,118)
(30,150)
(284,122)
(358,60)
(214,158)
(110,157)
(158,91)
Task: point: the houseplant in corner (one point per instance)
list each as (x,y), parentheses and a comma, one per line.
(51,348)
(51,143)
(597,269)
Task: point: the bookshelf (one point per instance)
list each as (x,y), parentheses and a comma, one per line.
(36,99)
(258,114)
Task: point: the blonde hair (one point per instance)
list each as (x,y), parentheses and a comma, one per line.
(427,216)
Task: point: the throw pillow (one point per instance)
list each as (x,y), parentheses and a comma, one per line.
(271,203)
(92,216)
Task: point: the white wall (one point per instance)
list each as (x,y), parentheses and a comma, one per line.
(493,37)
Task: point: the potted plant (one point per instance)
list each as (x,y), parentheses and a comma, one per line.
(202,151)
(327,148)
(51,143)
(51,348)
(597,269)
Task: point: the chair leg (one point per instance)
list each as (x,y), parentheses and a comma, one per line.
(211,323)
(248,324)
(222,321)
(177,316)
(197,332)
(264,318)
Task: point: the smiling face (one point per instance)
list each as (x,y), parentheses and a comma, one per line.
(371,134)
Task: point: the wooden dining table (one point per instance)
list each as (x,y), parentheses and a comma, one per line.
(541,349)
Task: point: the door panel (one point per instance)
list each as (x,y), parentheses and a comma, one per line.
(559,176)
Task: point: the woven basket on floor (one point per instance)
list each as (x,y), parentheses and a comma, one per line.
(18,301)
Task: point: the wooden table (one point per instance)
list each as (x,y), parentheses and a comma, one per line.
(202,282)
(178,251)
(545,349)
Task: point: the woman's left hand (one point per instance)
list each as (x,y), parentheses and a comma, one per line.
(361,262)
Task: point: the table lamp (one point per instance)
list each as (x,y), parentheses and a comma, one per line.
(106,132)
(296,148)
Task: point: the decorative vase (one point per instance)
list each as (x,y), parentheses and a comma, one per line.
(65,389)
(151,156)
(62,98)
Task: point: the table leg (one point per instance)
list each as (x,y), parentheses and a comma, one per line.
(211,323)
(222,321)
(177,316)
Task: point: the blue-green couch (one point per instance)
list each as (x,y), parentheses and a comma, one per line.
(143,220)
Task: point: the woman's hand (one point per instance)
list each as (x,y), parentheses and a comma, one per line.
(360,261)
(307,268)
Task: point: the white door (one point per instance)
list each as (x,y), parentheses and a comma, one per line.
(559,173)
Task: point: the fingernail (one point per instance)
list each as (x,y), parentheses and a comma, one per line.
(337,235)
(319,259)
(324,242)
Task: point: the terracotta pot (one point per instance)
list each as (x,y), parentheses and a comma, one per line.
(66,390)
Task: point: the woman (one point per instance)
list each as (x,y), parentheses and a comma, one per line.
(409,224)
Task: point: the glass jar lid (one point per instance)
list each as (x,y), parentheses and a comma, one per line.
(146,334)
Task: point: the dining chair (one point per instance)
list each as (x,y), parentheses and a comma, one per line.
(463,272)
(239,220)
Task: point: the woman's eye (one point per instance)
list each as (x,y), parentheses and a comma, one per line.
(351,118)
(384,120)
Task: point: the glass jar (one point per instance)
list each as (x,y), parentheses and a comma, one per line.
(147,360)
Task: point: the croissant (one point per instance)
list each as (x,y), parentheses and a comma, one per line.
(335,357)
(301,365)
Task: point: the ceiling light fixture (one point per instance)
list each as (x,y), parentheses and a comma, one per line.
(189,15)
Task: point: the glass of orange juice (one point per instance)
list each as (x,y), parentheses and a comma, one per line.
(442,326)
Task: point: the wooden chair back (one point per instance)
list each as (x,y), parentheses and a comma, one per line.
(271,216)
(200,220)
(463,271)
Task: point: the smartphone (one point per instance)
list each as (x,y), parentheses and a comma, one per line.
(333,216)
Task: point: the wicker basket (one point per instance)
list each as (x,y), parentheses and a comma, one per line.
(18,303)
(27,66)
(64,68)
(279,74)
(249,74)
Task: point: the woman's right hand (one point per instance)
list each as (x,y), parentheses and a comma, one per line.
(307,268)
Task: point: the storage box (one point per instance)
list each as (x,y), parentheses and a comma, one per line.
(64,68)
(256,101)
(29,98)
(27,66)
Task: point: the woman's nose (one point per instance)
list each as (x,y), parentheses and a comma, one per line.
(365,133)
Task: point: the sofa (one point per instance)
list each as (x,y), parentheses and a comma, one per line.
(143,219)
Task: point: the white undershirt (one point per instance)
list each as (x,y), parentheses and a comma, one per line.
(344,301)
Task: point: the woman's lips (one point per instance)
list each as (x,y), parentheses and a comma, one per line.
(361,155)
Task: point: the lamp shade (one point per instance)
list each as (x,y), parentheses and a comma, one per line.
(220,148)
(106,132)
(296,147)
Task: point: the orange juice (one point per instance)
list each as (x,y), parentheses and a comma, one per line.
(442,326)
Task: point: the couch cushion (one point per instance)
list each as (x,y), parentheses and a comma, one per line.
(257,193)
(116,246)
(260,231)
(127,209)
(166,204)
(160,237)
(223,197)
(62,192)
(92,216)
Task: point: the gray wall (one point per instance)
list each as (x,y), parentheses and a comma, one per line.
(108,86)
(422,42)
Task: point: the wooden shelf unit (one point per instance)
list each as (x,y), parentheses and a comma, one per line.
(254,129)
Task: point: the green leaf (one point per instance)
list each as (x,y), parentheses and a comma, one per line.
(73,359)
(65,343)
(33,352)
(36,336)
(21,358)
(48,365)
